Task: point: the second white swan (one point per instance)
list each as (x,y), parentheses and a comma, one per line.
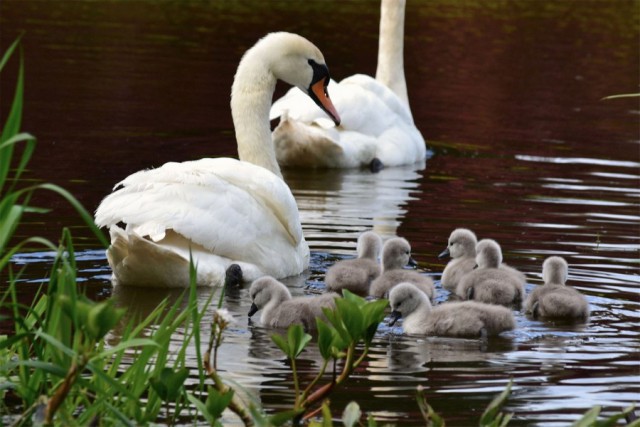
(377,127)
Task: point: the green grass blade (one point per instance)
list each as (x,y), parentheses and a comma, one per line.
(11,126)
(9,52)
(86,216)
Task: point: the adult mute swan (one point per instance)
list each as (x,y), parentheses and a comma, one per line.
(377,127)
(220,211)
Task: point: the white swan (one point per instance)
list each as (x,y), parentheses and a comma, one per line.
(376,123)
(221,211)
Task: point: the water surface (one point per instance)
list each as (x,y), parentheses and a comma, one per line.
(523,150)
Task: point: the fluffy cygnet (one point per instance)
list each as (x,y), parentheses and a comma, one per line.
(279,310)
(489,283)
(469,319)
(396,253)
(357,274)
(554,299)
(462,250)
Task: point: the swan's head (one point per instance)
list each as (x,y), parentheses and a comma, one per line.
(555,270)
(295,60)
(489,254)
(462,242)
(396,253)
(369,245)
(404,299)
(265,290)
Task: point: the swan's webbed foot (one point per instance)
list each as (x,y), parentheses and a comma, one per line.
(376,165)
(233,276)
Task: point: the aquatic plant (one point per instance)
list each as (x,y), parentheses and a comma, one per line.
(346,336)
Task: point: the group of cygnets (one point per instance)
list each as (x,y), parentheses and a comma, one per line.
(484,290)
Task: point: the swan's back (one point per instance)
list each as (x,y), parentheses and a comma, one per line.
(469,319)
(382,285)
(223,209)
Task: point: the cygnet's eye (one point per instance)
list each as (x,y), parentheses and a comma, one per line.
(408,252)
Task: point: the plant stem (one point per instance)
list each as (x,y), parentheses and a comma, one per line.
(61,393)
(295,382)
(315,380)
(236,404)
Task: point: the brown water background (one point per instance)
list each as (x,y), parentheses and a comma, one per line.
(523,150)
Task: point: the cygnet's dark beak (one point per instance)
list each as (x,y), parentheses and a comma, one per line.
(475,266)
(412,262)
(395,315)
(253,309)
(444,254)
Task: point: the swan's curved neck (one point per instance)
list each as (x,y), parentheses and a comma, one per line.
(251,96)
(390,71)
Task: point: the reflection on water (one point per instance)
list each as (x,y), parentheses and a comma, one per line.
(507,95)
(340,204)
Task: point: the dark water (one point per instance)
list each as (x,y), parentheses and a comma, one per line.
(508,95)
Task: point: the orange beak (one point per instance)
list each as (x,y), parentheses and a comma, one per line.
(324,102)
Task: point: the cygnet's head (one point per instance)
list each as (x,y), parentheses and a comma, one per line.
(369,245)
(462,242)
(555,270)
(264,290)
(488,254)
(404,299)
(396,253)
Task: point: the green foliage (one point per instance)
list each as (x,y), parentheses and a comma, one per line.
(296,341)
(431,418)
(491,416)
(590,418)
(351,414)
(168,384)
(352,322)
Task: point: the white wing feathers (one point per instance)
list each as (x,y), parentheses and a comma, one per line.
(222,204)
